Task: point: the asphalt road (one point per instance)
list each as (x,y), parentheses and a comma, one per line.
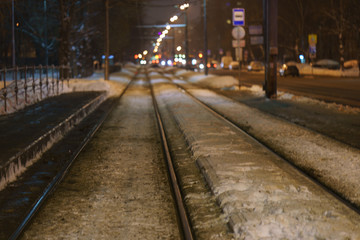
(332,89)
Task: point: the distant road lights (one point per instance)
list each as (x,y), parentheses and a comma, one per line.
(174,18)
(158,44)
(145,52)
(168,27)
(139,55)
(178,48)
(184,6)
(166,31)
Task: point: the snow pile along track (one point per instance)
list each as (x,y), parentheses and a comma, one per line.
(17,164)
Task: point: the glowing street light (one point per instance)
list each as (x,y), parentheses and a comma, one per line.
(174,18)
(184,7)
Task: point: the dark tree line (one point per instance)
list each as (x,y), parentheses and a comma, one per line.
(66,32)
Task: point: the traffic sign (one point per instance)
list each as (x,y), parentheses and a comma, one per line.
(238,43)
(238,32)
(238,16)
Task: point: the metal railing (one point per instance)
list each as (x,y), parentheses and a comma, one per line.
(25,85)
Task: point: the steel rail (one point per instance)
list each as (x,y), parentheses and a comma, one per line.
(237,127)
(61,174)
(185,223)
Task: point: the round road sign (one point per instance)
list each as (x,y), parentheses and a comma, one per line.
(238,32)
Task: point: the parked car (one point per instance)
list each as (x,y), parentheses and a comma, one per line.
(234,65)
(256,66)
(327,63)
(226,61)
(287,70)
(213,64)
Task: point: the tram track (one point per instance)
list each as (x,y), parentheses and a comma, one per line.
(131,190)
(185,223)
(192,133)
(73,143)
(211,174)
(221,115)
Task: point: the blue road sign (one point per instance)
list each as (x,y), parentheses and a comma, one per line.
(238,16)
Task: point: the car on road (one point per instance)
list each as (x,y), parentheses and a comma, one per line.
(234,65)
(226,61)
(213,64)
(256,66)
(287,70)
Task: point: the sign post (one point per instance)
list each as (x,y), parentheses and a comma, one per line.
(271,46)
(238,34)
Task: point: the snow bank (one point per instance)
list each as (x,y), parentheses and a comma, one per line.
(209,80)
(307,69)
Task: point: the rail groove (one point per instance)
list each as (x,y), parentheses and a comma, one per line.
(185,223)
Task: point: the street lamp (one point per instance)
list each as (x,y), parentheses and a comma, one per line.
(184,7)
(13,33)
(107,44)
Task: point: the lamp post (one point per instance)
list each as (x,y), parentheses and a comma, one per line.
(184,7)
(13,32)
(205,40)
(46,35)
(107,40)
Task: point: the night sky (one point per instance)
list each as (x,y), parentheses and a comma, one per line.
(160,11)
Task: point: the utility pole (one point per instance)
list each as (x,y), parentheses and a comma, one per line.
(186,41)
(46,35)
(271,46)
(205,41)
(107,40)
(13,33)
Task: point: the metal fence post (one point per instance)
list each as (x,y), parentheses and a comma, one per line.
(68,76)
(57,80)
(62,77)
(25,84)
(5,90)
(33,78)
(47,81)
(16,84)
(40,83)
(52,77)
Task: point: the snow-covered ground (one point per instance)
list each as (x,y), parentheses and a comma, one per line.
(259,201)
(230,83)
(307,69)
(259,198)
